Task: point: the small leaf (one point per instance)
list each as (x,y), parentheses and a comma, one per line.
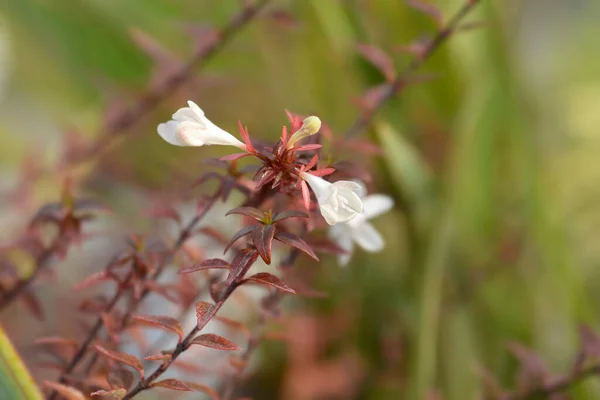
(246,138)
(428,9)
(204,389)
(239,234)
(242,261)
(290,214)
(323,171)
(233,157)
(215,342)
(68,392)
(212,263)
(307,147)
(264,278)
(173,384)
(115,393)
(262,238)
(160,357)
(94,279)
(248,211)
(120,377)
(204,312)
(379,59)
(296,242)
(168,323)
(56,340)
(165,212)
(124,358)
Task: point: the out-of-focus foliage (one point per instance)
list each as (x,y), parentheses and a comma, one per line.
(493,164)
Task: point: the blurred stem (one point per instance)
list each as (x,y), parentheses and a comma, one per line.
(15,380)
(431,298)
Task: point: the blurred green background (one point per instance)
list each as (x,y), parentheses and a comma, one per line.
(493,164)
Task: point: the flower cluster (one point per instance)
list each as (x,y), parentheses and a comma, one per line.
(343,204)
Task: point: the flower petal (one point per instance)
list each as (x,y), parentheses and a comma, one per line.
(198,112)
(367,237)
(168,131)
(376,204)
(342,235)
(184,114)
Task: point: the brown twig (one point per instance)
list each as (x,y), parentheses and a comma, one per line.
(403,78)
(79,355)
(129,117)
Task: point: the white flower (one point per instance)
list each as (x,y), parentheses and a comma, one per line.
(338,201)
(359,230)
(190,127)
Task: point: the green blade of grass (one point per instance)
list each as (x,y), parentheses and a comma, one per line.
(15,380)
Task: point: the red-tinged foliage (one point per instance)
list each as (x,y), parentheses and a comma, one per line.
(215,342)
(294,241)
(159,321)
(95,279)
(160,357)
(249,212)
(264,278)
(173,384)
(56,340)
(204,389)
(307,147)
(379,59)
(204,312)
(33,305)
(246,138)
(238,235)
(372,98)
(213,263)
(262,238)
(234,157)
(68,392)
(242,261)
(238,363)
(428,9)
(323,171)
(295,121)
(114,393)
(124,358)
(289,214)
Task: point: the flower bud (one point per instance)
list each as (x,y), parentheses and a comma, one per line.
(310,126)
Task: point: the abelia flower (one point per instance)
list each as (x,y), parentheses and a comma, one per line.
(338,201)
(190,127)
(359,230)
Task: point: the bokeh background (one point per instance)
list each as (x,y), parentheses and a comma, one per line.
(492,160)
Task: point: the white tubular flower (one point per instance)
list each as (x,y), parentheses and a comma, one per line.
(310,126)
(190,127)
(359,230)
(338,201)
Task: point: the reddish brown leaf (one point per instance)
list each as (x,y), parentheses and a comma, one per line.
(215,342)
(242,261)
(428,9)
(323,171)
(372,97)
(248,211)
(32,304)
(160,357)
(308,147)
(124,358)
(115,393)
(296,242)
(264,278)
(165,212)
(168,323)
(246,138)
(213,263)
(173,384)
(204,312)
(238,363)
(379,59)
(204,389)
(233,157)
(262,238)
(68,392)
(290,214)
(239,234)
(57,340)
(94,279)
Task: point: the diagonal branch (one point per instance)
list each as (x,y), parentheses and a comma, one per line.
(129,117)
(396,86)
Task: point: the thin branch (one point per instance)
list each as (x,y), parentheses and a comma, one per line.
(129,117)
(403,78)
(557,386)
(81,352)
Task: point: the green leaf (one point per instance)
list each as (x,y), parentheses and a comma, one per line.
(15,380)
